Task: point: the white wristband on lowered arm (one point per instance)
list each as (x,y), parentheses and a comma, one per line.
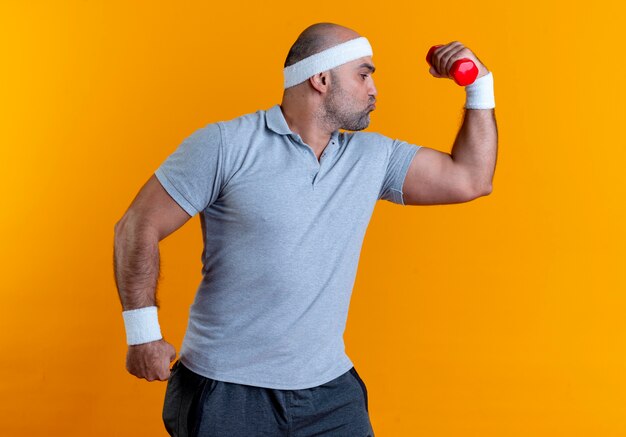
(479,95)
(142,325)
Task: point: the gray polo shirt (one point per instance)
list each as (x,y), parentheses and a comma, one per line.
(282,238)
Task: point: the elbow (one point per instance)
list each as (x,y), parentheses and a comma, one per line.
(131,226)
(478,187)
(123,226)
(118,231)
(483,190)
(119,224)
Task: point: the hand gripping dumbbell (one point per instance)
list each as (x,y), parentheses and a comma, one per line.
(463,71)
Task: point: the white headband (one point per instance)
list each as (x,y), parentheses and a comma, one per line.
(326,60)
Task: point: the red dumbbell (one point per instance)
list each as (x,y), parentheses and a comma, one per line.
(463,71)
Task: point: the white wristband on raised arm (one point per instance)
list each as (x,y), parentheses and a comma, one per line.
(479,95)
(142,325)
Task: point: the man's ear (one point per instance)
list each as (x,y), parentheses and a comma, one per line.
(320,81)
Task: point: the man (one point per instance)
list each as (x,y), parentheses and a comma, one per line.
(284,200)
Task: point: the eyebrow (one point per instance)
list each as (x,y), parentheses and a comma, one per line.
(369,67)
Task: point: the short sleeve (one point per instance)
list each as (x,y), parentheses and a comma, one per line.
(192,174)
(399,158)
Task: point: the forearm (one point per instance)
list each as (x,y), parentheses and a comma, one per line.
(136,265)
(476,147)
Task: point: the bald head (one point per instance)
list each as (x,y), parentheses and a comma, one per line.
(318,37)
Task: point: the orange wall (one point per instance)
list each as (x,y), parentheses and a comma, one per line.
(499,317)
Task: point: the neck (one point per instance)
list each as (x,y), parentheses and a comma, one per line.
(304,120)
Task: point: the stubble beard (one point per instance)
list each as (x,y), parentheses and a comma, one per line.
(337,110)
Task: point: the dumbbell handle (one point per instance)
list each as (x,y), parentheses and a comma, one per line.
(463,71)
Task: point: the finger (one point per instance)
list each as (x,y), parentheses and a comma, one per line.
(432,57)
(452,58)
(445,57)
(164,369)
(173,354)
(164,374)
(433,72)
(437,55)
(155,374)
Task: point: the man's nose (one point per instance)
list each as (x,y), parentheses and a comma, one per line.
(373,91)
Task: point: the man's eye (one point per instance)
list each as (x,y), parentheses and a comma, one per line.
(364,76)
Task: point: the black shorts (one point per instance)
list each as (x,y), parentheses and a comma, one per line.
(202,407)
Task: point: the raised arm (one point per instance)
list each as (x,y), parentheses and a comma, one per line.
(466,173)
(152,216)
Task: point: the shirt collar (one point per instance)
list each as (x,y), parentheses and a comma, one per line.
(275,121)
